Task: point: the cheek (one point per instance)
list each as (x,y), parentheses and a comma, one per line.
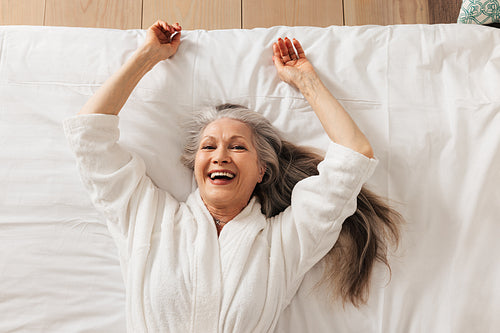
(198,166)
(257,169)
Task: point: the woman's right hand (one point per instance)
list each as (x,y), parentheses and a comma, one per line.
(162,40)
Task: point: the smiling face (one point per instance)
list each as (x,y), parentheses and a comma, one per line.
(227,167)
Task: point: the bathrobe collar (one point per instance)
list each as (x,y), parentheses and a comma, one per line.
(249,221)
(219,276)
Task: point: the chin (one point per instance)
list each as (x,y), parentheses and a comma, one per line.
(219,196)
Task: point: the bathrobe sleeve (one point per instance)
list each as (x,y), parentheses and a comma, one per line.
(320,204)
(116,180)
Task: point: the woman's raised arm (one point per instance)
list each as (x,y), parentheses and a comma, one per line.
(162,41)
(294,68)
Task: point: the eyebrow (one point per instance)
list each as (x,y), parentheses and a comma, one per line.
(236,136)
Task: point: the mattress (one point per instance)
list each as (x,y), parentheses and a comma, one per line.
(426,96)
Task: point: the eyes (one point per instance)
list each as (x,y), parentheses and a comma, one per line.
(209,147)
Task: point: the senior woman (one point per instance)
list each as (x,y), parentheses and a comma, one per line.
(233,255)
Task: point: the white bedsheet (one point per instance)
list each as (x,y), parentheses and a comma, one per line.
(427,97)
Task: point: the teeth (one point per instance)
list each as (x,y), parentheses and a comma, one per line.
(221,174)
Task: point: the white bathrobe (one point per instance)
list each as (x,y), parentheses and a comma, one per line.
(179,276)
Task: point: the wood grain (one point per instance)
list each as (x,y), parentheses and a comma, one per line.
(226,14)
(444,11)
(94,13)
(28,12)
(386,12)
(265,13)
(194,14)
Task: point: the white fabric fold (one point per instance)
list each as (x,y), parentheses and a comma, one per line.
(426,96)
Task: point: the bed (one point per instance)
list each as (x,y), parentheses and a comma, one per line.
(426,96)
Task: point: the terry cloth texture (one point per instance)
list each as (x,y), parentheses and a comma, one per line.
(181,277)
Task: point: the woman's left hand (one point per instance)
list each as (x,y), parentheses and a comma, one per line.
(294,68)
(291,64)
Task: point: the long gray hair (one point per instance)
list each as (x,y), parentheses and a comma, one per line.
(364,236)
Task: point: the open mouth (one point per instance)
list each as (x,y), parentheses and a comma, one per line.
(221,177)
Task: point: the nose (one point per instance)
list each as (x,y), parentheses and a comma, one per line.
(221,156)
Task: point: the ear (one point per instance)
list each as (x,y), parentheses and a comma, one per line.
(262,172)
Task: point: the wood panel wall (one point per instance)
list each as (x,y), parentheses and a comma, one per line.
(386,12)
(225,14)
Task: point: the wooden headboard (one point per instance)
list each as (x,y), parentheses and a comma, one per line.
(225,14)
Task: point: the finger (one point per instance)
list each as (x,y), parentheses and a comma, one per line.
(170,29)
(291,51)
(283,50)
(163,26)
(159,32)
(298,47)
(276,51)
(155,26)
(277,56)
(177,38)
(173,28)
